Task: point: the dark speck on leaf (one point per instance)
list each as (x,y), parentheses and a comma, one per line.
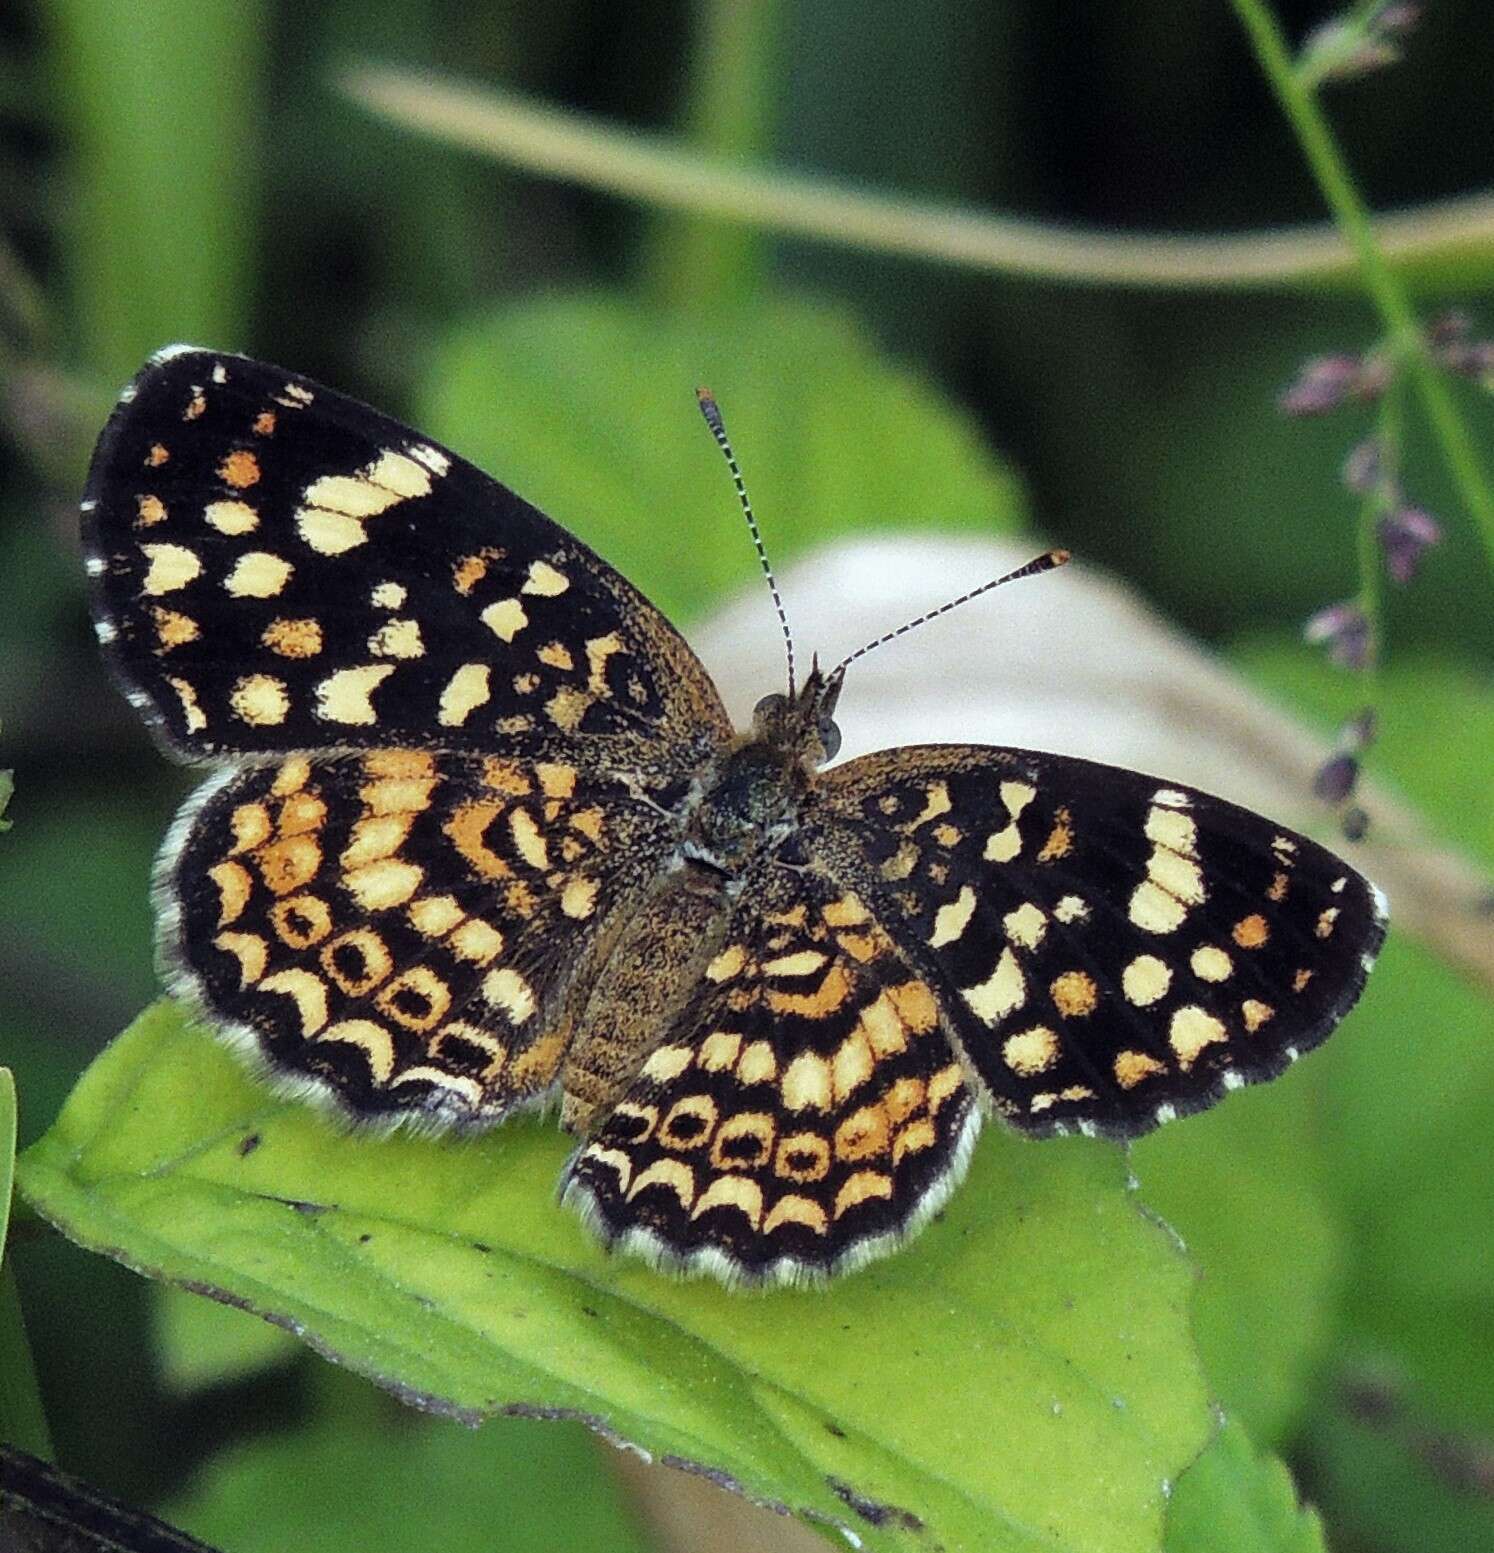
(586,1310)
(364,1238)
(835,1429)
(249,1144)
(873,1511)
(477,1245)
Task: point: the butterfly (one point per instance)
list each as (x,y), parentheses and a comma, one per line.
(479,835)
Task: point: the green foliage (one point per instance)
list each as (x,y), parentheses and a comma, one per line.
(594,419)
(1235,1500)
(510,1484)
(1061,1394)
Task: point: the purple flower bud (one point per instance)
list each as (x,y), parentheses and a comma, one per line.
(1472,359)
(1364,468)
(1359,732)
(1449,328)
(1335,778)
(1354,824)
(1322,384)
(1403,535)
(1398,18)
(1345,630)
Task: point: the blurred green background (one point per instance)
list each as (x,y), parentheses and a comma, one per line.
(188,169)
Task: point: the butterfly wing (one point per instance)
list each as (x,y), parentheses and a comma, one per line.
(275,566)
(804,1113)
(399,931)
(1109,950)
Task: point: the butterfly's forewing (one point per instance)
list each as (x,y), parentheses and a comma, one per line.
(275,566)
(1109,950)
(485,723)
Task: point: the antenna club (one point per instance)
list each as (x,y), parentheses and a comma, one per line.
(1059,557)
(711,410)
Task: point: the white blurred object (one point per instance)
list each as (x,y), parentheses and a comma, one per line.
(1073,662)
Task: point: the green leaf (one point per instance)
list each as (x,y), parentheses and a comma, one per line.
(1243,1185)
(204,1343)
(23,1421)
(1234,1499)
(586,406)
(513,1485)
(1020,1378)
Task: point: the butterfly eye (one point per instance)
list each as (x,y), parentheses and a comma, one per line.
(829,737)
(769,704)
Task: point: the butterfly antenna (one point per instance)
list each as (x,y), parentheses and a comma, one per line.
(712,412)
(1043,563)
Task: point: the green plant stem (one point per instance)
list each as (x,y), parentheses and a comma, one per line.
(660,172)
(22,1421)
(1405,337)
(704,261)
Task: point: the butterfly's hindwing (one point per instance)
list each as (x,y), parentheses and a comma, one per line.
(803,1114)
(401,931)
(275,566)
(1110,950)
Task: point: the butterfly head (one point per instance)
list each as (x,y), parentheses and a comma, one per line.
(802,723)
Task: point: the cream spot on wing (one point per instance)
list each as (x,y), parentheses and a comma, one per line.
(329,533)
(567,707)
(673,1174)
(307,991)
(409,475)
(231,517)
(556,655)
(1171,798)
(793,1209)
(544,580)
(598,650)
(1255,1013)
(1326,919)
(505,619)
(757,1064)
(1179,876)
(579,898)
(1154,909)
(260,700)
(807,1083)
(397,639)
(343,697)
(1003,845)
(860,1188)
(852,1064)
(464,692)
(951,919)
(528,841)
(250,950)
(1071,908)
(803,962)
(388,882)
(234,888)
(666,1063)
(1211,963)
(1145,980)
(435,915)
(739,1192)
(258,575)
(727,964)
(1003,991)
(1190,1030)
(1173,829)
(477,941)
(388,595)
(936,801)
(508,990)
(375,1041)
(1025,926)
(192,713)
(1030,1052)
(720,1050)
(171,567)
